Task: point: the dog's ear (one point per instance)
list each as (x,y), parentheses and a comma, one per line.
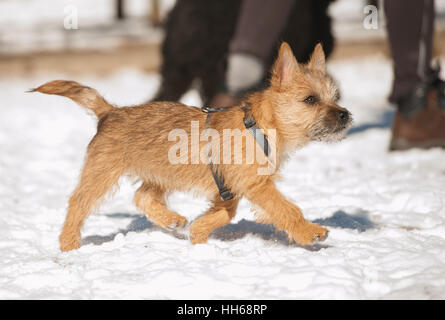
(317,61)
(285,67)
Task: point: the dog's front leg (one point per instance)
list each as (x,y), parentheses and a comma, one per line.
(284,214)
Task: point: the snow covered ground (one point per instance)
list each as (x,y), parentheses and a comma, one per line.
(385,211)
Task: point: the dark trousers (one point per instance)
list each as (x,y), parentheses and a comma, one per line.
(260,23)
(410,25)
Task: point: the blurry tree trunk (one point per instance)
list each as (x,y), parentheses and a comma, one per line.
(120,14)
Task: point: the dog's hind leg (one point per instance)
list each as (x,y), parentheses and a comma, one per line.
(99,175)
(149,198)
(217,216)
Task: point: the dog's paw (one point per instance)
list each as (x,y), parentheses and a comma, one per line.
(169,220)
(68,243)
(309,233)
(197,234)
(179,223)
(196,239)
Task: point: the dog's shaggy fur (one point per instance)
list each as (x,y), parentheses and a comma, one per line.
(300,105)
(197,39)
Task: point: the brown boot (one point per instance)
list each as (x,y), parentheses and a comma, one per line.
(420,120)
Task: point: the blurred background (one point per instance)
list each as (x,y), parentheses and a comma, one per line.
(113,34)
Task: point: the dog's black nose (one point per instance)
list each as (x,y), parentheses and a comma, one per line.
(343,116)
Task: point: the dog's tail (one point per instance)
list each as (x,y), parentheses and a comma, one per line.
(86,97)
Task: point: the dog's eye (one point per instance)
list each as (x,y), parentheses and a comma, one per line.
(310,100)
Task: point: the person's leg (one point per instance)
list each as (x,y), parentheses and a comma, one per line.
(260,23)
(420,118)
(410,25)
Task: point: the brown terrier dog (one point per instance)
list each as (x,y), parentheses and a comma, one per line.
(299,106)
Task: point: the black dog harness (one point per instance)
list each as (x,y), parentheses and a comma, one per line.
(250,123)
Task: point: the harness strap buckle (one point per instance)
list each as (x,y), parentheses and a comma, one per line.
(225,194)
(249,123)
